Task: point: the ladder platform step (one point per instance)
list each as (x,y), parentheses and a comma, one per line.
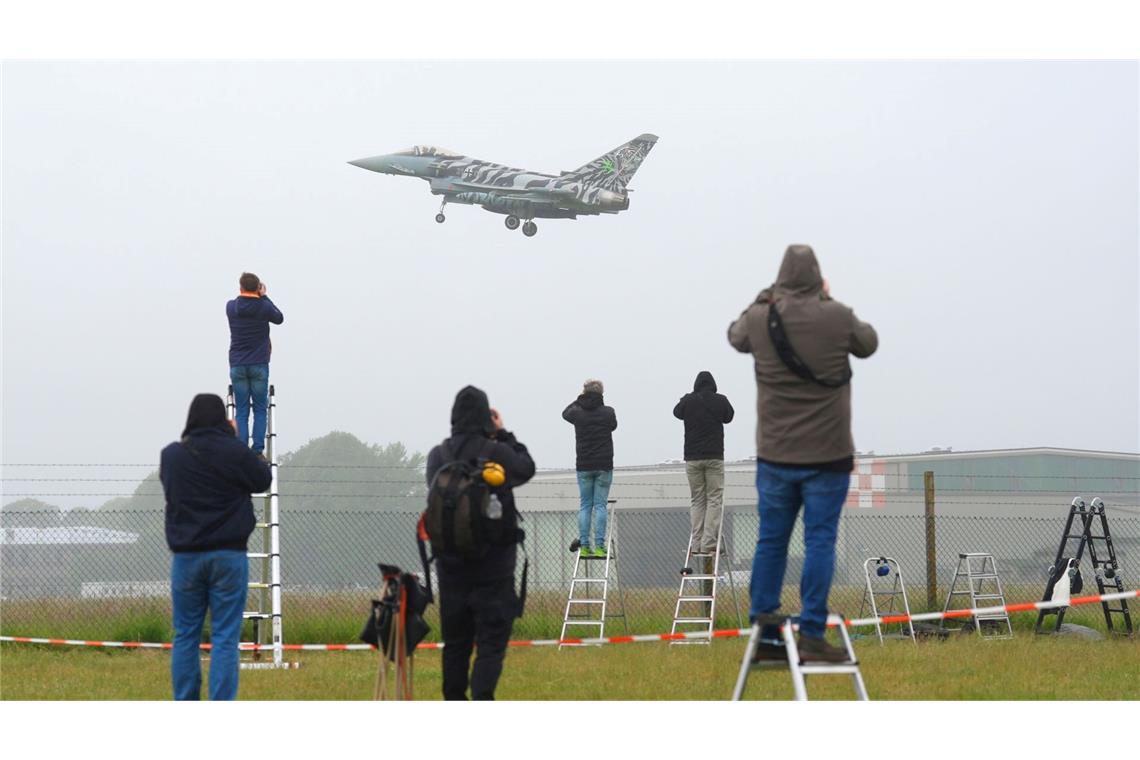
(694,577)
(981,577)
(837,668)
(993,617)
(988,596)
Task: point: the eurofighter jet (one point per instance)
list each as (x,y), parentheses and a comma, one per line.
(599,187)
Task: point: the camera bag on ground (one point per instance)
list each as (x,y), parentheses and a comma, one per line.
(403,600)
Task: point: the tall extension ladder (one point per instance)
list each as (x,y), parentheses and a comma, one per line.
(984,590)
(592,577)
(883,567)
(1104,567)
(800,669)
(265,575)
(697,592)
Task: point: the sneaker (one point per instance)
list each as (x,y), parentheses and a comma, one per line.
(769,653)
(575,545)
(599,552)
(818,650)
(585,552)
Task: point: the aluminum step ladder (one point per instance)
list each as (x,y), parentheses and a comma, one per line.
(263,606)
(876,597)
(696,597)
(1105,565)
(587,600)
(983,587)
(799,669)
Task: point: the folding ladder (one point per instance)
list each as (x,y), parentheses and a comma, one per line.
(883,567)
(265,565)
(697,592)
(586,604)
(984,590)
(1104,563)
(800,669)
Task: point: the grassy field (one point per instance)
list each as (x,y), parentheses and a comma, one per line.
(963,667)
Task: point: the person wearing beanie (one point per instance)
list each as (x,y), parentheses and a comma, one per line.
(250,315)
(207,478)
(477,598)
(801,340)
(594,424)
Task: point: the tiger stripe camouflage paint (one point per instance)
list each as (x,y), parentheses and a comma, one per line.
(598,187)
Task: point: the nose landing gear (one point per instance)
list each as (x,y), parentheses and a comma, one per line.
(440,218)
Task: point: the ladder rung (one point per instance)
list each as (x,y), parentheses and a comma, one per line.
(588,580)
(257,615)
(585,601)
(703,620)
(262,555)
(988,596)
(838,668)
(698,578)
(695,598)
(582,622)
(993,617)
(266,525)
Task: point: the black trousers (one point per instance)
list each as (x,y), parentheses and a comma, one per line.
(476,615)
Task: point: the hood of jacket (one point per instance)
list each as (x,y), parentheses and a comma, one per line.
(704,382)
(207,410)
(799,272)
(471,412)
(591,400)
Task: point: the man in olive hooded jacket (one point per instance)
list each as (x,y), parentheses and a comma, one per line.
(804,448)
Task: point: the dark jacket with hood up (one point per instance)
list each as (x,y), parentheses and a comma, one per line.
(249,316)
(473,436)
(208,503)
(800,422)
(705,413)
(594,424)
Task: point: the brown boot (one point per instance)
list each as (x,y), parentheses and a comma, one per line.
(818,650)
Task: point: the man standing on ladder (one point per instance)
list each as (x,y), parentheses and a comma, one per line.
(250,315)
(594,424)
(800,338)
(705,413)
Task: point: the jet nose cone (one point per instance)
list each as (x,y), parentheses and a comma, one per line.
(373,164)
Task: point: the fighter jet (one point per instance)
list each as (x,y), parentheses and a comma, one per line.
(599,187)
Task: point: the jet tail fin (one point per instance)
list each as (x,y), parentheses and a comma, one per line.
(614,170)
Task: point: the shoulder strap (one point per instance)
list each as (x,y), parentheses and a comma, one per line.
(791,359)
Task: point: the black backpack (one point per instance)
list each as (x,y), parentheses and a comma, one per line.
(456,519)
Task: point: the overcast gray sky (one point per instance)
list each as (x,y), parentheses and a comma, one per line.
(983,216)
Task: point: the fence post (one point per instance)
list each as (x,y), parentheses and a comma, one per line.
(931,548)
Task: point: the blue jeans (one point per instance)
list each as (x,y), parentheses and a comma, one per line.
(782,490)
(218,580)
(251,386)
(593,490)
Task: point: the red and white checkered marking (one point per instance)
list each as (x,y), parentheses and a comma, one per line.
(727,633)
(868,484)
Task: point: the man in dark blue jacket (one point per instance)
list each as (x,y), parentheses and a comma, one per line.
(207,478)
(250,315)
(477,600)
(594,424)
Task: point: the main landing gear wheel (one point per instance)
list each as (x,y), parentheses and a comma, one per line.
(529,229)
(512,222)
(440,218)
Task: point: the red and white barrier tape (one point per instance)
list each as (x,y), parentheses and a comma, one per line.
(635,638)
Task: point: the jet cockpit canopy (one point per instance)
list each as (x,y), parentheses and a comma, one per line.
(428,150)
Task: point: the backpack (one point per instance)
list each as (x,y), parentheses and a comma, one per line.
(458,503)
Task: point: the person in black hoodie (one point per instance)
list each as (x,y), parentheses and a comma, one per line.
(207,479)
(705,413)
(477,599)
(594,424)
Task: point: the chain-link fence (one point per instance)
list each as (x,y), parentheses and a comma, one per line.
(104,574)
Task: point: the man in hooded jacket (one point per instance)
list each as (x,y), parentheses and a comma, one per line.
(705,413)
(477,599)
(804,447)
(207,479)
